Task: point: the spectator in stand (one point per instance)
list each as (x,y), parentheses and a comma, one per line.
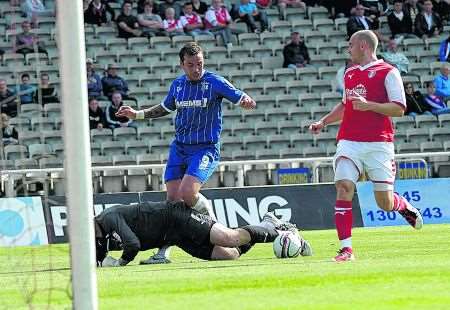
(169,4)
(8,102)
(97,119)
(114,121)
(96,13)
(444,50)
(127,24)
(413,8)
(94,81)
(151,24)
(428,24)
(192,22)
(113,83)
(295,53)
(199,7)
(442,82)
(25,90)
(437,105)
(32,9)
(283,4)
(172,26)
(400,22)
(9,133)
(415,102)
(45,92)
(360,22)
(28,42)
(14,3)
(217,20)
(249,13)
(443,7)
(396,58)
(141,4)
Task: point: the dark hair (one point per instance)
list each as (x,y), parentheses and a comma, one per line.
(428,84)
(398,1)
(190,49)
(90,99)
(187,3)
(25,75)
(126,2)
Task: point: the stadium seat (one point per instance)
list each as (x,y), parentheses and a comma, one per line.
(280,26)
(253,143)
(341,23)
(124,134)
(121,159)
(170,55)
(288,127)
(419,68)
(317,12)
(314,151)
(284,74)
(147,80)
(444,120)
(148,159)
(133,147)
(440,134)
(213,181)
(444,171)
(320,86)
(51,162)
(319,60)
(297,87)
(256,177)
(310,99)
(324,139)
(253,89)
(138,44)
(238,76)
(26,163)
(37,151)
(249,63)
(301,140)
(413,44)
(267,154)
(314,37)
(52,110)
(261,51)
(289,100)
(103,57)
(307,73)
(125,57)
(137,180)
(15,151)
(226,65)
(20,123)
(278,141)
(216,52)
(238,52)
(262,75)
(29,137)
(30,110)
(291,153)
(149,56)
(243,155)
(325,48)
(110,148)
(426,56)
(296,14)
(101,135)
(275,88)
(272,62)
(431,146)
(323,24)
(319,111)
(428,121)
(417,135)
(112,181)
(248,40)
(205,40)
(277,114)
(160,43)
(403,123)
(179,41)
(407,147)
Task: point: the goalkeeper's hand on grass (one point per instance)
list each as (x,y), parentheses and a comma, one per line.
(112,262)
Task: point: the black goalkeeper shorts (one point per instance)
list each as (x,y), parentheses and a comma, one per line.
(190,231)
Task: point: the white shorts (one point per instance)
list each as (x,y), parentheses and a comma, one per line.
(375,158)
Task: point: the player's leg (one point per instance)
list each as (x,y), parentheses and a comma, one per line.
(381,170)
(222,253)
(173,175)
(231,238)
(347,167)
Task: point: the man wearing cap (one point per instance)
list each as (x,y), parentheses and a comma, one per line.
(295,53)
(112,83)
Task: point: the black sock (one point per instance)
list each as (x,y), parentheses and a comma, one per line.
(259,234)
(245,248)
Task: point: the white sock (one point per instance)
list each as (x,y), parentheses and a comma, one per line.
(203,206)
(346,243)
(164,251)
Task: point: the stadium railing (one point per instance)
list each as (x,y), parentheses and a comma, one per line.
(8,177)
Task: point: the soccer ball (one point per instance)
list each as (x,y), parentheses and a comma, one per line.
(287,245)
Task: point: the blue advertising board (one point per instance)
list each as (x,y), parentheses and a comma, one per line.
(430,196)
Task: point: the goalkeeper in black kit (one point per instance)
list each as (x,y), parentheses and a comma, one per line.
(149,225)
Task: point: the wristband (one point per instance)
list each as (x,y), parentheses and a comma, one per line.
(140,115)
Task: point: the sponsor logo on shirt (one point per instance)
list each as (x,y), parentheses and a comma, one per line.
(358,90)
(198,103)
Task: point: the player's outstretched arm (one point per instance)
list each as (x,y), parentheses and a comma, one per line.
(152,112)
(247,102)
(334,116)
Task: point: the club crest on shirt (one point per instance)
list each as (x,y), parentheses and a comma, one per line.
(205,162)
(205,86)
(372,74)
(350,75)
(178,89)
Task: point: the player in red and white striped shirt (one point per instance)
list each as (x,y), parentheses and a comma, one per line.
(373,93)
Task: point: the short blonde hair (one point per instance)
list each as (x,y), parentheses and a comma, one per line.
(367,36)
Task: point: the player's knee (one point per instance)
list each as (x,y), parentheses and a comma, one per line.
(345,189)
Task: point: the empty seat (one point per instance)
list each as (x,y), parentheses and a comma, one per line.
(426,121)
(440,134)
(124,134)
(134,147)
(417,135)
(314,151)
(137,180)
(29,137)
(112,181)
(113,147)
(408,147)
(256,177)
(37,151)
(124,160)
(13,152)
(101,135)
(26,163)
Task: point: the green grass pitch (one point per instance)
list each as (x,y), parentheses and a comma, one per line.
(395,268)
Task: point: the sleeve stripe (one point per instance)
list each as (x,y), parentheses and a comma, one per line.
(166,108)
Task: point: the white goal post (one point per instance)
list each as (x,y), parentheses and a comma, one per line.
(72,68)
